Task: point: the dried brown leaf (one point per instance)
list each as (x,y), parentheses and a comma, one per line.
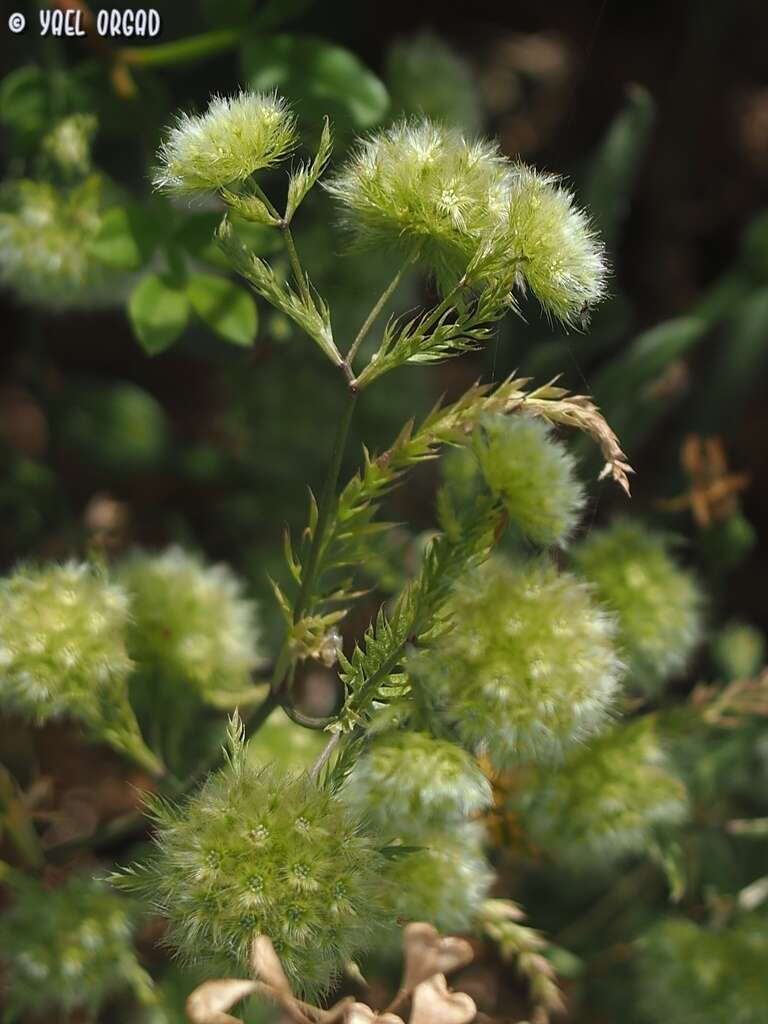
(579,411)
(359,1013)
(265,964)
(434,1003)
(210,1001)
(427,953)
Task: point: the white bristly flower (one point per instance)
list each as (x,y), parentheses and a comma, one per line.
(234,138)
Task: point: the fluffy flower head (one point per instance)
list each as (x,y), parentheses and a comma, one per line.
(412,777)
(68,948)
(445,882)
(657,604)
(606,799)
(190,623)
(529,667)
(424,187)
(236,136)
(558,255)
(255,852)
(533,474)
(62,641)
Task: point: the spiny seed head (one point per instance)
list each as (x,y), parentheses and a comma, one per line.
(692,973)
(257,852)
(656,603)
(62,642)
(190,623)
(423,187)
(66,948)
(411,777)
(236,136)
(533,474)
(559,255)
(529,667)
(605,800)
(45,237)
(444,882)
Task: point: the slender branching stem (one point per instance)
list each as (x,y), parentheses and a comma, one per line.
(443,306)
(383,299)
(290,246)
(327,499)
(259,191)
(293,257)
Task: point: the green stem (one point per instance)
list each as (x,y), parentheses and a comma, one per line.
(443,306)
(181,51)
(259,191)
(324,509)
(293,256)
(373,315)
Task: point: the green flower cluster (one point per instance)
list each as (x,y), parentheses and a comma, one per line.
(422,187)
(420,791)
(605,800)
(657,604)
(695,975)
(72,639)
(234,138)
(559,255)
(63,652)
(259,852)
(67,948)
(408,777)
(45,238)
(472,215)
(530,666)
(190,623)
(533,474)
(444,881)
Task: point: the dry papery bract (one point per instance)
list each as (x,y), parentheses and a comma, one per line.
(428,957)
